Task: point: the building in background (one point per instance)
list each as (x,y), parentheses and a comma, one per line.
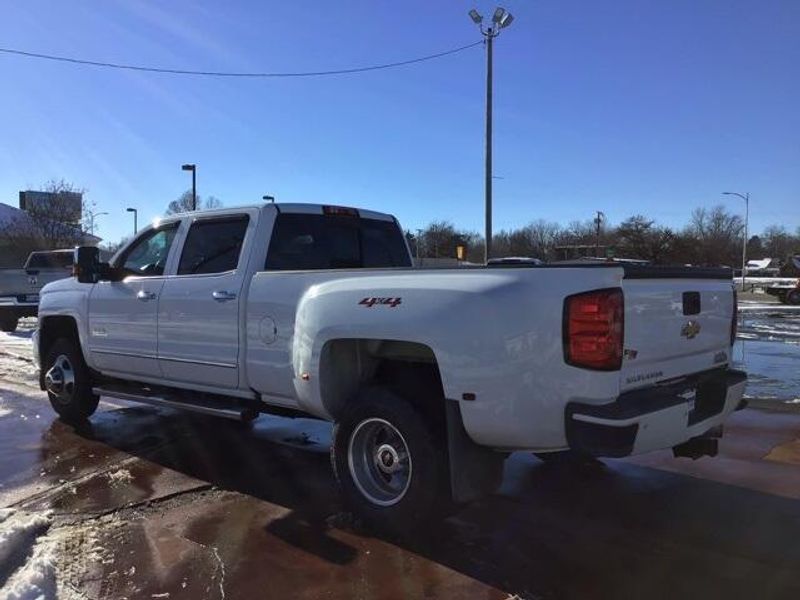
(68,206)
(43,221)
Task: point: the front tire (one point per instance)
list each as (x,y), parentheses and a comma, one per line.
(793,298)
(68,382)
(389,463)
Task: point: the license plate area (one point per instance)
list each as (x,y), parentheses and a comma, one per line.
(706,400)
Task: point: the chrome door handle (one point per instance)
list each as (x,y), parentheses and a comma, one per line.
(144,295)
(223,296)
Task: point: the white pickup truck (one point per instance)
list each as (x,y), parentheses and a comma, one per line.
(19,288)
(431,377)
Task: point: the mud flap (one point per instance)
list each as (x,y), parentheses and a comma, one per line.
(475,471)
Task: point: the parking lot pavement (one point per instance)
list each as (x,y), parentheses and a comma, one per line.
(146,502)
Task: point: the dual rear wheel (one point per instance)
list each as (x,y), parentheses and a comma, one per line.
(390,462)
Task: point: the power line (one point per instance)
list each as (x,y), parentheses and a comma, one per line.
(109,65)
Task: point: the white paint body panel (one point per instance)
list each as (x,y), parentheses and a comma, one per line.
(123,327)
(495,333)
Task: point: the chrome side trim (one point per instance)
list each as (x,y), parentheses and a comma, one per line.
(117,353)
(169,358)
(199,362)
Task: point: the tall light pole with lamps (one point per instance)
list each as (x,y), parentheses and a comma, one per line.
(746,198)
(92,216)
(500,20)
(135,219)
(193,169)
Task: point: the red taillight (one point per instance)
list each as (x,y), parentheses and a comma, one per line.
(594,329)
(734,317)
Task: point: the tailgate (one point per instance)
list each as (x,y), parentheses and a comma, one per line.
(677,322)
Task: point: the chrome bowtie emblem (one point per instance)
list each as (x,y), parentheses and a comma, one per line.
(690,330)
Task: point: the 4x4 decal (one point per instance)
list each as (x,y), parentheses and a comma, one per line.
(370,302)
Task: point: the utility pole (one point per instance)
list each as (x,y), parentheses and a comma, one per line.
(488,169)
(598,220)
(500,20)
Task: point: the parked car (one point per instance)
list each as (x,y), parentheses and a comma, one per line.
(19,288)
(788,292)
(430,377)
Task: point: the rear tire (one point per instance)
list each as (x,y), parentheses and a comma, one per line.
(68,382)
(390,463)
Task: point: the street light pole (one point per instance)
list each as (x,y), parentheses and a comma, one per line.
(92,215)
(746,198)
(193,169)
(500,20)
(135,219)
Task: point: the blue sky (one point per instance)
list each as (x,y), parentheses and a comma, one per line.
(624,106)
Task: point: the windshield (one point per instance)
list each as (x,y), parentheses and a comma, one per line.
(49,260)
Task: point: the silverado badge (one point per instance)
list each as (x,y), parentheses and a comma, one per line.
(690,330)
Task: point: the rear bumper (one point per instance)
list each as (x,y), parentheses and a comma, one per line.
(656,417)
(18,307)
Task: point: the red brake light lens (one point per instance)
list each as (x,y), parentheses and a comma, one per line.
(340,210)
(594,329)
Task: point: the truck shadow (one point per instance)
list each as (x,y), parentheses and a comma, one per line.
(617,531)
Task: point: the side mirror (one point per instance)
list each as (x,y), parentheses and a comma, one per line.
(86,264)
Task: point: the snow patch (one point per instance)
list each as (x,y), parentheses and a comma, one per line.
(5,411)
(19,537)
(53,556)
(120,477)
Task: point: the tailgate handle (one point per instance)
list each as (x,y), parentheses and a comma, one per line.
(691,303)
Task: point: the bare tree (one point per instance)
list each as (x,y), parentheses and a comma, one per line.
(718,234)
(779,243)
(184,203)
(440,240)
(48,225)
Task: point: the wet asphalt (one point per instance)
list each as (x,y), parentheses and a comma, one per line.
(153,502)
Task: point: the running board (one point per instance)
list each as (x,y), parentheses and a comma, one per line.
(225,408)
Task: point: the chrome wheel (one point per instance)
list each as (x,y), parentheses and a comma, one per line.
(379,462)
(60,379)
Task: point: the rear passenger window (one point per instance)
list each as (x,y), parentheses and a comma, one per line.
(213,246)
(311,242)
